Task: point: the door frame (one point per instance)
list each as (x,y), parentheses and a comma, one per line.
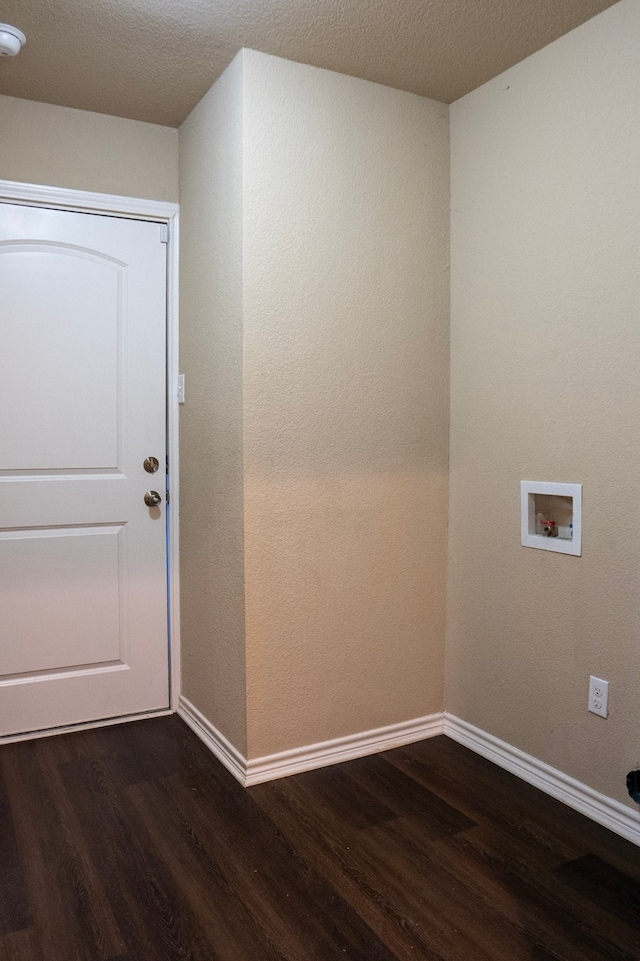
(161,212)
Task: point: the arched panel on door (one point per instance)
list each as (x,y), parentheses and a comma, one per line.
(61,367)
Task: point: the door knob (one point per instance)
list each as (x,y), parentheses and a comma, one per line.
(152,498)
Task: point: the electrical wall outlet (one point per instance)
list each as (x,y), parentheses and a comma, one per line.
(598,696)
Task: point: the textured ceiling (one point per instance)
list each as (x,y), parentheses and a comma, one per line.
(154,59)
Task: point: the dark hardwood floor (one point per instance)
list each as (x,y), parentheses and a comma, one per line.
(133,843)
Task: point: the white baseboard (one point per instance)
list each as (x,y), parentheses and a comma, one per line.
(612,814)
(217,743)
(340,749)
(311,756)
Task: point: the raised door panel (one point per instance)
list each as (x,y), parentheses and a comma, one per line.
(62,592)
(62,310)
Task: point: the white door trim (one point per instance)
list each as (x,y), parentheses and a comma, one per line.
(61,198)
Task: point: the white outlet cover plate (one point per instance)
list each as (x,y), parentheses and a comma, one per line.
(598,696)
(529,538)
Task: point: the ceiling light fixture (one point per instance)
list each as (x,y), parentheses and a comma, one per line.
(12,40)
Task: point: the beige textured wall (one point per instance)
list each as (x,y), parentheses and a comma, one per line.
(545,360)
(59,147)
(211,464)
(346,403)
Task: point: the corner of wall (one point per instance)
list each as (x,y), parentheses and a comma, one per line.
(212,506)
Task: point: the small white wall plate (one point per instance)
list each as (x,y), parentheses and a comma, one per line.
(529,538)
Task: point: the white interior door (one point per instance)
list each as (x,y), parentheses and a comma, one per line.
(83,598)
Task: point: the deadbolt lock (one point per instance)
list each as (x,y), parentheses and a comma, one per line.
(152,498)
(151,464)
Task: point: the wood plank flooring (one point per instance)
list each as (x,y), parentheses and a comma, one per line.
(132,843)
